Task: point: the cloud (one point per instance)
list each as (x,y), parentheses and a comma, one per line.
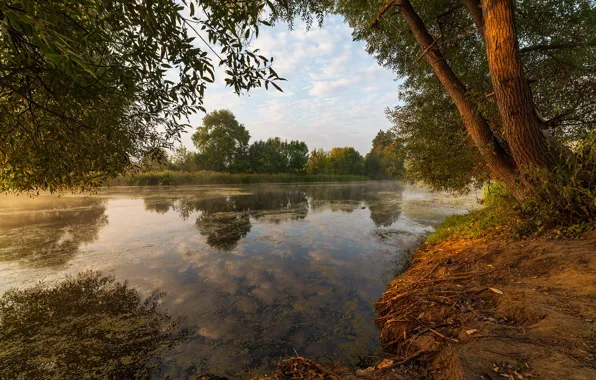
(335,94)
(324,88)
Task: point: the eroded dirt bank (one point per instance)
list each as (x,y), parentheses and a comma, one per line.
(493,309)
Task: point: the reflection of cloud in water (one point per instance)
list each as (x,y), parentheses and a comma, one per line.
(263,271)
(266,305)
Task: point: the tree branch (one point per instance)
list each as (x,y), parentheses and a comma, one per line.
(384,9)
(474,7)
(558,46)
(33,102)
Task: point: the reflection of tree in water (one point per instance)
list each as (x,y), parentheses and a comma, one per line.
(226,220)
(85,327)
(383,199)
(337,197)
(158,205)
(52,233)
(386,208)
(224,229)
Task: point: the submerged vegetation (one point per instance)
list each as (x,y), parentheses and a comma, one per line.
(88,326)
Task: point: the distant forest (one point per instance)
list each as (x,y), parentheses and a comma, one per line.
(222,145)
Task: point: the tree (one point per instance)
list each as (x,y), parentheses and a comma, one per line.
(221,141)
(183,160)
(502,67)
(277,156)
(385,157)
(436,150)
(318,162)
(268,156)
(87,87)
(297,153)
(153,160)
(346,161)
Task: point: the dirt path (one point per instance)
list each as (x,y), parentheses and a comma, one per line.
(480,309)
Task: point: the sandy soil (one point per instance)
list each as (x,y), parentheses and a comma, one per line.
(480,309)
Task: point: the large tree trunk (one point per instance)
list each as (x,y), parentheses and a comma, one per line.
(497,159)
(521,124)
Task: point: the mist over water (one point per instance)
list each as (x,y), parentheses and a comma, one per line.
(257,272)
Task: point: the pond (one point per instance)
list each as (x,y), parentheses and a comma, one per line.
(256,272)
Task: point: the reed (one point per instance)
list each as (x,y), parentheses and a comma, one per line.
(210,178)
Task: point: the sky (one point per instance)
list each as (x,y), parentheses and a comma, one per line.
(335,94)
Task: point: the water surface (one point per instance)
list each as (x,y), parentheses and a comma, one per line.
(258,272)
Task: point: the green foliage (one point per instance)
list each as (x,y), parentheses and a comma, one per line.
(554,209)
(183,160)
(88,326)
(207,178)
(277,156)
(297,153)
(435,146)
(564,198)
(155,159)
(339,161)
(499,214)
(345,160)
(222,142)
(557,48)
(88,87)
(385,159)
(318,162)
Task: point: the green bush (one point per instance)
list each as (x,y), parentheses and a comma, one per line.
(563,198)
(560,206)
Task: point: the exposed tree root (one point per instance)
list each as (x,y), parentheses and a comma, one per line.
(512,309)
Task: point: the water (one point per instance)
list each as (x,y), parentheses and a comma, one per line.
(257,272)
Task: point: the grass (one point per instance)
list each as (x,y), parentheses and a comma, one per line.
(499,215)
(502,215)
(211,178)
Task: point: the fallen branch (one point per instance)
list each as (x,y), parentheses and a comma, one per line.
(409,359)
(444,336)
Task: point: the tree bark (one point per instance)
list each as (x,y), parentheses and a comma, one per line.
(521,124)
(499,163)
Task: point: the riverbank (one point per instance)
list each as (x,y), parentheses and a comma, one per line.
(212,178)
(485,306)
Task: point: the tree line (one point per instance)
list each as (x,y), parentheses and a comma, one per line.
(222,145)
(492,90)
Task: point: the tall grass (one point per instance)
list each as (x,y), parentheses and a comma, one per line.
(212,178)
